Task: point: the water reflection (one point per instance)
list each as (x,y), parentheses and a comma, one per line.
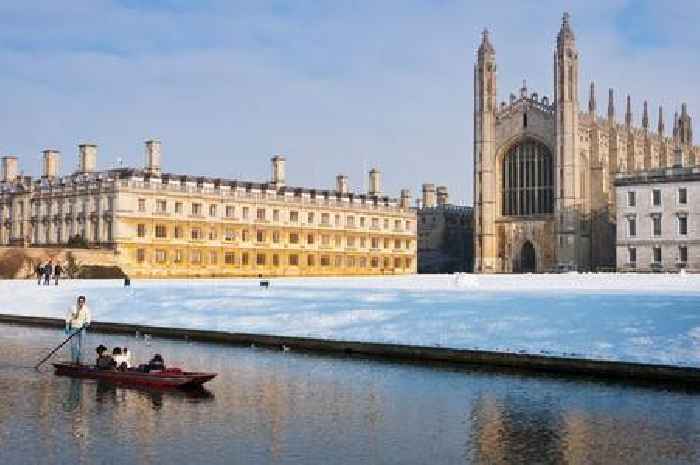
(274,407)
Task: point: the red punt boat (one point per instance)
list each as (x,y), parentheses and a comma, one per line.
(172,378)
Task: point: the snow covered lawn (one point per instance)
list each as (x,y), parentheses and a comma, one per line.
(648,318)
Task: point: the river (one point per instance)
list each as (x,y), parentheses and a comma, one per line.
(275,407)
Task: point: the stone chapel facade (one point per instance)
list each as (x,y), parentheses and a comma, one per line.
(544,170)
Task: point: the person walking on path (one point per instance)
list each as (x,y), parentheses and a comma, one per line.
(39,270)
(78,319)
(57,270)
(48,270)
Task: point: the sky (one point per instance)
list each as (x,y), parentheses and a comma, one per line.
(336,86)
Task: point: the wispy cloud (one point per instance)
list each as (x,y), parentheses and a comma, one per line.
(337,86)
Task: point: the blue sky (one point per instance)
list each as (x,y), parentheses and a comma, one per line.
(336,86)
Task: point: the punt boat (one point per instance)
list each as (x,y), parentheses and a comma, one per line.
(171,378)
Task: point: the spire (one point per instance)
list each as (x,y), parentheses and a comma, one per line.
(685,126)
(523,89)
(591,100)
(611,105)
(661,120)
(675,127)
(645,116)
(486,46)
(628,112)
(566,34)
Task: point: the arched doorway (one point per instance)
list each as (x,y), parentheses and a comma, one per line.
(528,259)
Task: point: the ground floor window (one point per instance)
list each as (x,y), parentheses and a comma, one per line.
(275,260)
(657,254)
(386,262)
(260,259)
(408,263)
(397,262)
(349,262)
(375,262)
(325,260)
(310,260)
(178,256)
(140,255)
(294,260)
(229,258)
(244,259)
(160,256)
(632,255)
(196,257)
(363,262)
(683,254)
(213,258)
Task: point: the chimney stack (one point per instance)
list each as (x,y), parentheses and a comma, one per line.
(88,158)
(442,196)
(428,195)
(375,182)
(9,168)
(405,199)
(278,170)
(341,184)
(50,163)
(153,157)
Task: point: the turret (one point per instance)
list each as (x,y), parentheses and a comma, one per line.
(567,167)
(611,107)
(442,196)
(341,184)
(645,117)
(429,200)
(661,128)
(685,126)
(628,113)
(405,199)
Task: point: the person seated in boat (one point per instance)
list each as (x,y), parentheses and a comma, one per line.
(156,363)
(100,349)
(126,355)
(105,361)
(118,356)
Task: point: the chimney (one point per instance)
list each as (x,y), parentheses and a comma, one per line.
(405,199)
(278,170)
(9,168)
(50,163)
(341,184)
(442,196)
(88,158)
(375,182)
(153,156)
(428,195)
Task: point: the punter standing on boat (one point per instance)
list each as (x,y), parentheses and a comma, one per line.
(77,320)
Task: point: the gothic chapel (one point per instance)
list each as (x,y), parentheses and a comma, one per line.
(544,171)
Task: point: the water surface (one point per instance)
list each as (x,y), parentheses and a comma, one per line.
(289,408)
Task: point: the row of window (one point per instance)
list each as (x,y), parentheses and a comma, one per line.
(48,208)
(657,255)
(681,225)
(681,197)
(276,237)
(262,214)
(197,257)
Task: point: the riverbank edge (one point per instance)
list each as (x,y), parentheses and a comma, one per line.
(418,354)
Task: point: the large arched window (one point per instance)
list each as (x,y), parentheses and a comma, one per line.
(526,174)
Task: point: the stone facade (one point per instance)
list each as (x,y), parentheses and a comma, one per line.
(544,170)
(160,224)
(658,219)
(445,233)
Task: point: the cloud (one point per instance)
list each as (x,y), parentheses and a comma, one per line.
(336,86)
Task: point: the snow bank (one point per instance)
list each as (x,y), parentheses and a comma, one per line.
(646,318)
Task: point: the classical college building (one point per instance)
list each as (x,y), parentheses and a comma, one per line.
(659,219)
(544,170)
(161,224)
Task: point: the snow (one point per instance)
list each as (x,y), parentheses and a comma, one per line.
(632,317)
